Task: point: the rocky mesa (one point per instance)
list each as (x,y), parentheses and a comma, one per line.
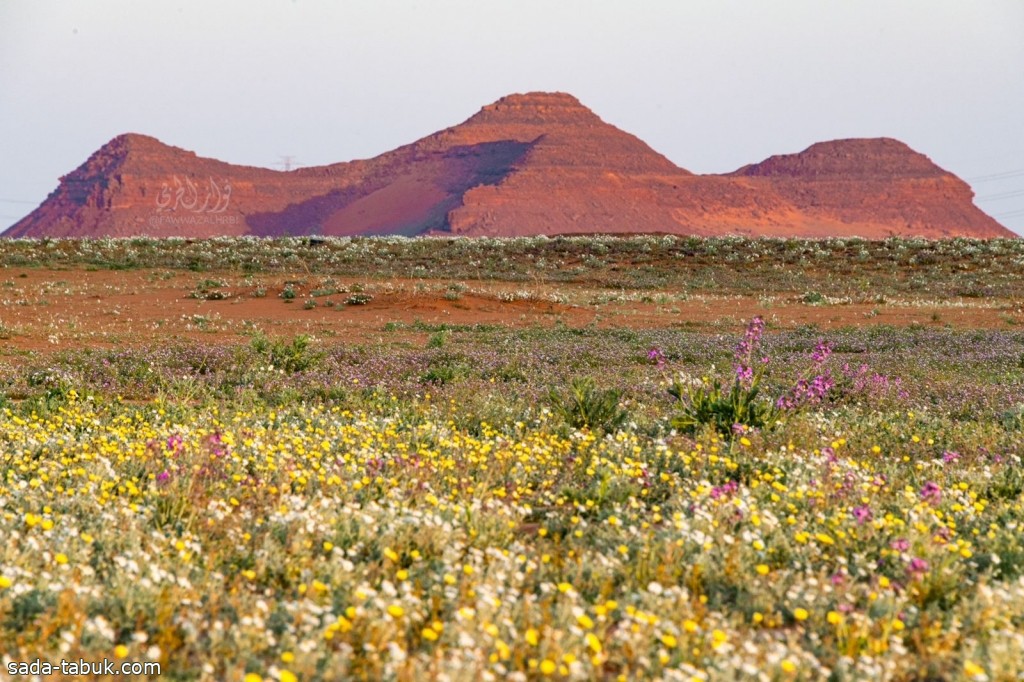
(531,164)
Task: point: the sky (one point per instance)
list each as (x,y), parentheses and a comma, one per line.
(711,84)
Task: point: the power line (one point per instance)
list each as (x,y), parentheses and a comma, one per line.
(1002,195)
(997,176)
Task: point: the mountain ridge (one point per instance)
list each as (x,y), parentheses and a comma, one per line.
(527,164)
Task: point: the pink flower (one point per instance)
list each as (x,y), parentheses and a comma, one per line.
(917,567)
(900,544)
(931,493)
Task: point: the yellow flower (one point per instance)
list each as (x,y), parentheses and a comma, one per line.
(745,442)
(532,637)
(61,558)
(5,582)
(288,676)
(429,634)
(762,569)
(669,641)
(788,666)
(824,539)
(396,611)
(120,651)
(287,657)
(548,666)
(252,677)
(973,669)
(593,642)
(834,617)
(585,621)
(718,638)
(801,614)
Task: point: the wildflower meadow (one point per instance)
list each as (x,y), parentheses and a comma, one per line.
(472,502)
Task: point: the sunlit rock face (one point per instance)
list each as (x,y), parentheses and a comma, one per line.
(530,164)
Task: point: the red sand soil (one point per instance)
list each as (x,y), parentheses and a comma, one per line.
(51,310)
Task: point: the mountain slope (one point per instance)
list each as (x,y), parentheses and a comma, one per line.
(537,163)
(878,181)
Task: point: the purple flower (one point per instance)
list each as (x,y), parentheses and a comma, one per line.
(917,567)
(807,392)
(723,490)
(862,514)
(931,493)
(821,352)
(163,477)
(746,348)
(751,339)
(744,374)
(950,456)
(900,544)
(656,356)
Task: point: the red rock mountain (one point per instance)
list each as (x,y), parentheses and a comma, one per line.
(539,163)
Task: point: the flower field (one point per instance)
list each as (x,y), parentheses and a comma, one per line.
(465,508)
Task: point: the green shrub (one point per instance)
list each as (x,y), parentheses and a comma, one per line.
(291,356)
(707,403)
(438,339)
(585,406)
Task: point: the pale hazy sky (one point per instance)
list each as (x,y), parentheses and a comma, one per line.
(712,84)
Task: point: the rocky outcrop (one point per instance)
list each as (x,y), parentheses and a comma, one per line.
(538,163)
(880,187)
